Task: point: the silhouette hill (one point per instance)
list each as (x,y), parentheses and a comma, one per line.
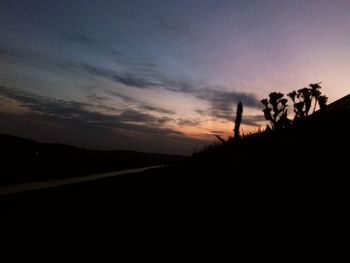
(24,160)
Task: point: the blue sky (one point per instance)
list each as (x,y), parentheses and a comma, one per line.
(162,76)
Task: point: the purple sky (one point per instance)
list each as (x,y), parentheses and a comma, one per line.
(161,76)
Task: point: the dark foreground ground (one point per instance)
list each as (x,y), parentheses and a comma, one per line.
(280,196)
(168,215)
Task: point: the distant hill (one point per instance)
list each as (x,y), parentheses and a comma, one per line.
(26,160)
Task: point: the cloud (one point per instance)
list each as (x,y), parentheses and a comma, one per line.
(156,109)
(189,122)
(217,132)
(47,105)
(141,80)
(115,93)
(78,110)
(97,98)
(223,99)
(253,120)
(127,79)
(222,102)
(76,132)
(71,117)
(250,120)
(141,106)
(132,81)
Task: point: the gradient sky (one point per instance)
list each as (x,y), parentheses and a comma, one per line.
(160,76)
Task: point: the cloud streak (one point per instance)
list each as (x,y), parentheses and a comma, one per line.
(131,127)
(189,122)
(253,120)
(222,102)
(129,118)
(157,109)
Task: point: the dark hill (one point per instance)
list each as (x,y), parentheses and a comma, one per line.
(25,160)
(311,153)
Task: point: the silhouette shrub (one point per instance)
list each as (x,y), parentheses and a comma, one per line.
(305,102)
(304,98)
(276,110)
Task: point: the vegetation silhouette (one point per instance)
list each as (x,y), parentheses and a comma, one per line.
(236,130)
(276,110)
(238,120)
(305,97)
(276,107)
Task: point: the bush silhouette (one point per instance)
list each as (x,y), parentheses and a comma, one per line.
(304,98)
(276,110)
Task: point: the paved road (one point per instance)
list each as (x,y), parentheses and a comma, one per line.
(18,188)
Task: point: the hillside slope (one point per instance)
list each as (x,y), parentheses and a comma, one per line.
(25,160)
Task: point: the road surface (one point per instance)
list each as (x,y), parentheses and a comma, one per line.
(19,188)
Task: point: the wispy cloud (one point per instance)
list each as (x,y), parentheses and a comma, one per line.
(221,101)
(98,98)
(194,122)
(141,80)
(156,109)
(253,120)
(127,79)
(131,126)
(77,110)
(142,106)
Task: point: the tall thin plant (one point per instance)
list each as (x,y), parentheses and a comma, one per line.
(238,120)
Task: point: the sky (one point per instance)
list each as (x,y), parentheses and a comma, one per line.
(161,76)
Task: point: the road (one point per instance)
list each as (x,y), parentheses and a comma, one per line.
(19,188)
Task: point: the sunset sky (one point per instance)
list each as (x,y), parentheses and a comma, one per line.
(161,76)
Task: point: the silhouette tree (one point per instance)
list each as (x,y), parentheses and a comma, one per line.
(276,110)
(304,98)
